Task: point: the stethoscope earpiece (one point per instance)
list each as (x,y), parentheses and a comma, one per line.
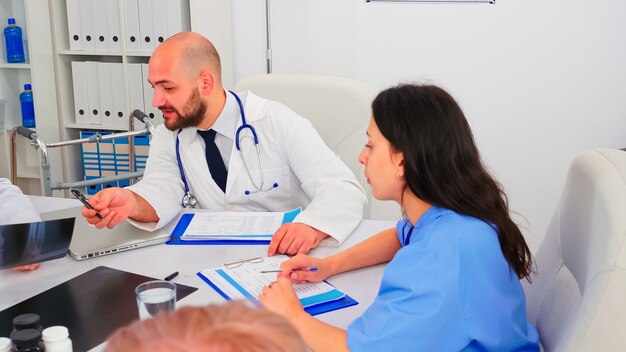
(275,185)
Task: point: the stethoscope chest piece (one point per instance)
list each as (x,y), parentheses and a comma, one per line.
(189,201)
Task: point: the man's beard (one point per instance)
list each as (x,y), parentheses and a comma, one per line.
(195,108)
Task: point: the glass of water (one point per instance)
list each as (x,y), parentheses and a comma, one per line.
(155,297)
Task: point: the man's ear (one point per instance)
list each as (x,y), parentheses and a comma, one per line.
(207,82)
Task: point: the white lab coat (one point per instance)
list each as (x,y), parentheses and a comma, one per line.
(15,207)
(308,173)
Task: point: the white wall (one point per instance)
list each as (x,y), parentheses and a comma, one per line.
(539,81)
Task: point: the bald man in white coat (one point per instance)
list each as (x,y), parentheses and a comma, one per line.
(297,168)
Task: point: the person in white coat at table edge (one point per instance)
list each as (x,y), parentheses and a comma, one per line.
(290,166)
(16,208)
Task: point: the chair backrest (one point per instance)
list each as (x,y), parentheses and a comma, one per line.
(577,299)
(339,108)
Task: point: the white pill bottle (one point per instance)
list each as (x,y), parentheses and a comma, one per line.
(57,339)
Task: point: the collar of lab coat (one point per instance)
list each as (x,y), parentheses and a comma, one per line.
(229,118)
(253,106)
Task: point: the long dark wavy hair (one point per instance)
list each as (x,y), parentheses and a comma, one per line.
(442,165)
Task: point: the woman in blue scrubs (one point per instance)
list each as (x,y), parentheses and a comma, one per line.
(456,257)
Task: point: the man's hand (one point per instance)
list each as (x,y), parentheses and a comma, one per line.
(295,238)
(115,204)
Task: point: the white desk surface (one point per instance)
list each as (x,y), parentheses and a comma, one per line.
(161,260)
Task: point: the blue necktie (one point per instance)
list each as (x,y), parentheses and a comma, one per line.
(214,159)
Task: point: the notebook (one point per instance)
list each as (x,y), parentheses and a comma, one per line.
(244,279)
(91,305)
(90,242)
(28,243)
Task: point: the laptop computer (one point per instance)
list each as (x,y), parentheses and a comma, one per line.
(28,243)
(90,242)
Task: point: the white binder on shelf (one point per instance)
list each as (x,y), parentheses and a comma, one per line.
(135,90)
(101,31)
(79,83)
(146,25)
(178,19)
(148,92)
(73,25)
(113,25)
(119,95)
(93,93)
(159,21)
(106,94)
(131,21)
(87,26)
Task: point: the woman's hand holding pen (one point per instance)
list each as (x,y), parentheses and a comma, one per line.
(280,297)
(298,269)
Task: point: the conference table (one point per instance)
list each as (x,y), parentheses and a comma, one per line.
(161,260)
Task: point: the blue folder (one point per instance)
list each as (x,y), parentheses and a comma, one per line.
(345,301)
(184,221)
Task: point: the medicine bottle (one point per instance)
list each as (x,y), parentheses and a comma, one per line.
(27,340)
(26,321)
(14,43)
(28,107)
(5,344)
(56,339)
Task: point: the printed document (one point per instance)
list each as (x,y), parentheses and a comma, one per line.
(233,225)
(247,282)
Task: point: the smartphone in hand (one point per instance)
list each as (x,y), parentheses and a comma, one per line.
(83,200)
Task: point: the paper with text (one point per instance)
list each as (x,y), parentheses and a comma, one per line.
(233,225)
(247,281)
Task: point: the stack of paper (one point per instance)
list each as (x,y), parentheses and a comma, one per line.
(233,226)
(206,227)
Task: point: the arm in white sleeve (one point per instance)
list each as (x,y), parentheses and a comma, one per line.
(161,185)
(337,198)
(15,207)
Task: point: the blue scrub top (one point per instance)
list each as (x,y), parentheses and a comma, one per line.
(449,288)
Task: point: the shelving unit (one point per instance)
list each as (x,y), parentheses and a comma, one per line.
(33,17)
(48,69)
(64,57)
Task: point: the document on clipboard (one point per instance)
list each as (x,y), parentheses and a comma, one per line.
(229,227)
(245,279)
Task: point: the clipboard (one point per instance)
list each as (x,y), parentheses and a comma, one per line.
(312,309)
(185,219)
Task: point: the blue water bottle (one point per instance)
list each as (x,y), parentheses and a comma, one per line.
(28,108)
(14,43)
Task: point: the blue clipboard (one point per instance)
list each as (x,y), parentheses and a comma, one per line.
(184,221)
(325,307)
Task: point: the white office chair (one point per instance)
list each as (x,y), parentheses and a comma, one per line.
(577,300)
(339,108)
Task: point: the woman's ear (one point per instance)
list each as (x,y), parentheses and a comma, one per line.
(398,160)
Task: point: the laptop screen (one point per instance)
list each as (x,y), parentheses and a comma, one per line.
(22,244)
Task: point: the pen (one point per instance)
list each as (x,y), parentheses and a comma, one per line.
(83,200)
(171,276)
(280,270)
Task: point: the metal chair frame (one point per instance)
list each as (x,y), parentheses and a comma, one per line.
(38,143)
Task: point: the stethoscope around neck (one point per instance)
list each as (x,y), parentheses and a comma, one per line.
(189,200)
